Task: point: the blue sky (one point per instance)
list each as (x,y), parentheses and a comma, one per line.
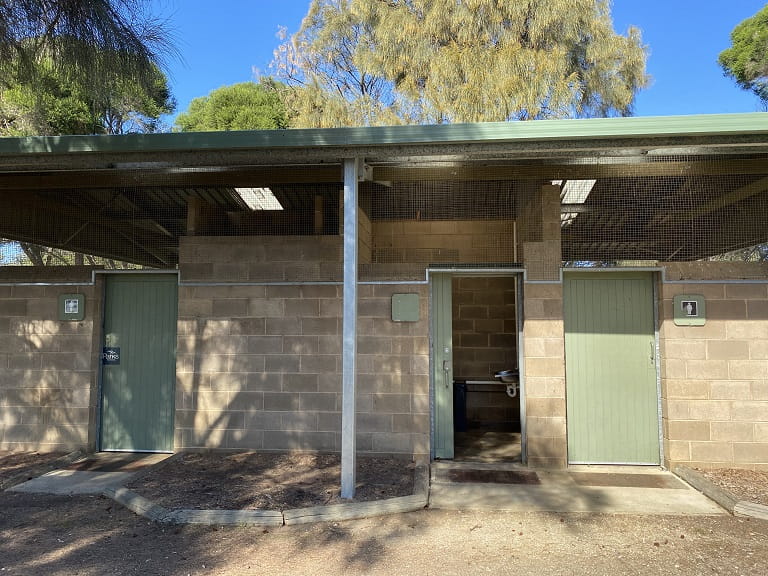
(223,42)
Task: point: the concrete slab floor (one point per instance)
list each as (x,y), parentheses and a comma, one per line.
(621,490)
(606,489)
(73,482)
(91,475)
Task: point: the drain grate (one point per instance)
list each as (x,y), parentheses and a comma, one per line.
(491,476)
(627,480)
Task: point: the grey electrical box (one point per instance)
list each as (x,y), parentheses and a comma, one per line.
(689,310)
(405,307)
(71,307)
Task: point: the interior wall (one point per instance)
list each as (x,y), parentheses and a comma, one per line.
(485,342)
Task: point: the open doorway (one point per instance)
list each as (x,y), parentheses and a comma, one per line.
(478,415)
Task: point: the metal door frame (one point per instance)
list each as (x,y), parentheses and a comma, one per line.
(519,274)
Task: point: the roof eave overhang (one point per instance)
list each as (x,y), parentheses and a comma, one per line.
(543,139)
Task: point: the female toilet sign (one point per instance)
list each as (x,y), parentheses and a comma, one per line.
(689,310)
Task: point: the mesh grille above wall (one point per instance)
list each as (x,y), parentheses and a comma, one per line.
(626,209)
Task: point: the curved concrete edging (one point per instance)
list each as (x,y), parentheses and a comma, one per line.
(722,497)
(148,509)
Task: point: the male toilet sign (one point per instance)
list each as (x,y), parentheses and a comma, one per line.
(689,310)
(690,307)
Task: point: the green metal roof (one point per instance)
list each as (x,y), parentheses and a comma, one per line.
(490,132)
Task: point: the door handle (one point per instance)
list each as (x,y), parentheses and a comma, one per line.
(446,370)
(652,357)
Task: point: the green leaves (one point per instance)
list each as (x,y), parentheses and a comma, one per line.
(54,105)
(244,106)
(746,61)
(81,67)
(88,41)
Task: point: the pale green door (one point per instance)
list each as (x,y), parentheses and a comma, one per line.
(139,362)
(612,397)
(442,367)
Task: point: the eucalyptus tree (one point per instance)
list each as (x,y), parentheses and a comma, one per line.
(358,62)
(746,61)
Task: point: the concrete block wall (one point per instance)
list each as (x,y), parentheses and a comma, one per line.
(544,355)
(260,258)
(715,377)
(47,367)
(540,238)
(455,241)
(393,374)
(484,342)
(259,367)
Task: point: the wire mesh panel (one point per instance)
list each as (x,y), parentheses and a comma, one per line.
(415,224)
(283,223)
(668,209)
(137,218)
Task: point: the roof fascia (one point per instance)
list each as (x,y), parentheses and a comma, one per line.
(630,128)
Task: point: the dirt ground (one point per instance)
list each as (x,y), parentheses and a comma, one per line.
(16,467)
(749,485)
(55,535)
(266,481)
(92,535)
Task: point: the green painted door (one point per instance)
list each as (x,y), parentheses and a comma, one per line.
(139,362)
(442,367)
(612,397)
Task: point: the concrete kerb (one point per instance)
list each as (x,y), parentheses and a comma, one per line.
(723,498)
(41,469)
(156,513)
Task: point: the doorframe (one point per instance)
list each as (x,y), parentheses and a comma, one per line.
(100,280)
(657,278)
(519,274)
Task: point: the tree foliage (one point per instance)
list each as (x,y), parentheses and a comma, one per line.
(244,106)
(54,105)
(746,61)
(91,42)
(360,62)
(75,67)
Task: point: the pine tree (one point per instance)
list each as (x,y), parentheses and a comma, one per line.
(362,62)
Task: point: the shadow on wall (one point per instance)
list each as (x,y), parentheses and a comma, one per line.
(47,384)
